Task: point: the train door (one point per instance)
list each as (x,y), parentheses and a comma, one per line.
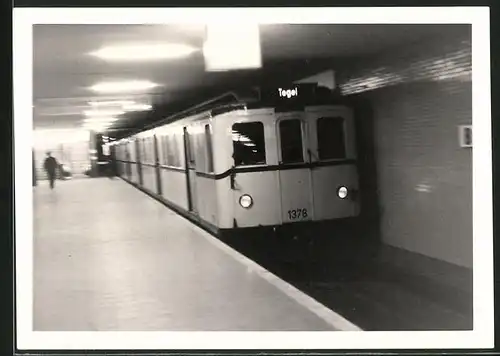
(253,186)
(294,174)
(335,178)
(190,163)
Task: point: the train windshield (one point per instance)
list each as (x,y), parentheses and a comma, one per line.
(291,141)
(248,144)
(331,140)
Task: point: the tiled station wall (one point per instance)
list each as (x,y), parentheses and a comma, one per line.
(419,94)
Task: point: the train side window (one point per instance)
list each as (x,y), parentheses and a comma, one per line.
(168,142)
(291,141)
(150,150)
(176,162)
(166,147)
(170,150)
(147,143)
(248,144)
(208,143)
(145,150)
(149,153)
(141,150)
(192,148)
(163,147)
(201,159)
(331,138)
(174,150)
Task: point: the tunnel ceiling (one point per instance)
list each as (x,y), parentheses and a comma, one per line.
(63,70)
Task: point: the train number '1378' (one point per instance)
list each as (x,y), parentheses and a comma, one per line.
(297,214)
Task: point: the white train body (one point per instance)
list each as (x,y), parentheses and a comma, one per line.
(248,168)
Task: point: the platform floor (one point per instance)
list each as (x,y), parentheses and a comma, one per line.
(109,258)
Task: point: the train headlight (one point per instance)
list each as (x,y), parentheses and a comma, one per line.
(246,201)
(342,192)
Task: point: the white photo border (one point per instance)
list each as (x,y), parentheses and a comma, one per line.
(482,336)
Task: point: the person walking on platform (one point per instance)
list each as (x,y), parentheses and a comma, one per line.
(51,166)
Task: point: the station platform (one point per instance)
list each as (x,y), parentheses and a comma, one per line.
(109,258)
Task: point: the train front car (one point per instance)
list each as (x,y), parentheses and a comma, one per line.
(294,164)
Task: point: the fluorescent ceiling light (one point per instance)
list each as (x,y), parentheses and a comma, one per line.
(103,113)
(232,48)
(137,107)
(96,126)
(145,52)
(103,119)
(121,87)
(111,102)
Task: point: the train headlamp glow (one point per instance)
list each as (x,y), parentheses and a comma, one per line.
(246,201)
(342,192)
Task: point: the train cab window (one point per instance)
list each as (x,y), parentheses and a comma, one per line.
(208,142)
(290,132)
(331,139)
(248,144)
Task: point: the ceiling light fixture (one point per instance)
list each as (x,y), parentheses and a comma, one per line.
(96,126)
(111,103)
(121,87)
(100,119)
(145,52)
(104,113)
(232,48)
(137,107)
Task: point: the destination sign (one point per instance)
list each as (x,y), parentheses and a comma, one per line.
(288,93)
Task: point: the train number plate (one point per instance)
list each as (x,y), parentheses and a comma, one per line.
(297,214)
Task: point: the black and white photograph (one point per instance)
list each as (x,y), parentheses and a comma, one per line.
(253,178)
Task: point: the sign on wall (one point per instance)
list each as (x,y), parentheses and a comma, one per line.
(465,135)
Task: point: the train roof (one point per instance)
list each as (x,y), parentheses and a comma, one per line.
(294,97)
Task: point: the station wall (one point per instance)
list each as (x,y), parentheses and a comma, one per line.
(419,94)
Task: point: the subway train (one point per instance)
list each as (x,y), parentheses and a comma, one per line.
(280,161)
